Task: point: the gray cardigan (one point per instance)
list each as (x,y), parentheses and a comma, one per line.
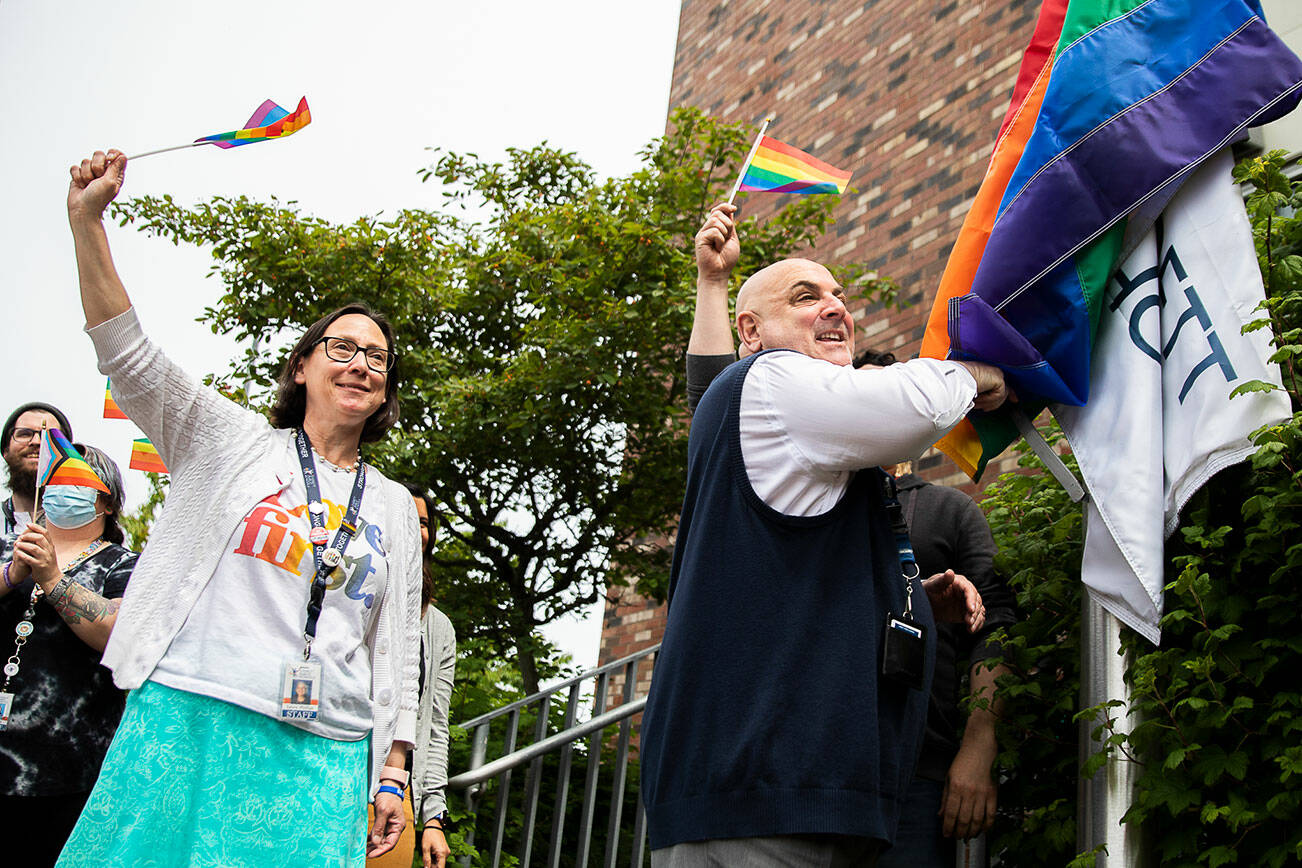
(429,775)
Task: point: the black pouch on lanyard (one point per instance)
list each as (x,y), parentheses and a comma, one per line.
(904,644)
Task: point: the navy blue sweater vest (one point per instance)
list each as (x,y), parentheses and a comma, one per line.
(766,714)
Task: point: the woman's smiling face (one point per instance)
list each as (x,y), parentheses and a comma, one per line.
(346,392)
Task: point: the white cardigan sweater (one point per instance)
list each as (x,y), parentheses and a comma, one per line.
(223,460)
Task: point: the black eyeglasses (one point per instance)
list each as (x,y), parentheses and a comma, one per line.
(25,435)
(378,359)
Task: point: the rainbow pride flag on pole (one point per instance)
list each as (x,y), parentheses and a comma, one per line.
(1116,103)
(144,456)
(111,408)
(776,167)
(60,464)
(269,121)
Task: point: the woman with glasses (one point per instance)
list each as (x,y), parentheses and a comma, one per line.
(63,580)
(268,635)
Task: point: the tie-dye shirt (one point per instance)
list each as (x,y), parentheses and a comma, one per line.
(65,707)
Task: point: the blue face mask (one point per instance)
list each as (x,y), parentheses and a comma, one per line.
(70,506)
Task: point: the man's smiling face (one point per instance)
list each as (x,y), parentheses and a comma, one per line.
(22,452)
(797,305)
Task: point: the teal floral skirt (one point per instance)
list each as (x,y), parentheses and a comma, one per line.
(195,781)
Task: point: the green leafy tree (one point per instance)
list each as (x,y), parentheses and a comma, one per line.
(1039,533)
(136,524)
(542,317)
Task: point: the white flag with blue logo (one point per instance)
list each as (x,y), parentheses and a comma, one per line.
(1160,421)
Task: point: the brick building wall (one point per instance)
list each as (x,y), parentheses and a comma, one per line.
(906,94)
(630,623)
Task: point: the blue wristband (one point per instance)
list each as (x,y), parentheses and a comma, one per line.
(389,788)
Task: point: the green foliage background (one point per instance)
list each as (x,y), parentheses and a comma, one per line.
(1219,751)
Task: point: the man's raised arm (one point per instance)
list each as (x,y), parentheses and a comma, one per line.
(710,347)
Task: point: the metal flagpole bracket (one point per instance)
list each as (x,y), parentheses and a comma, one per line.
(1045,452)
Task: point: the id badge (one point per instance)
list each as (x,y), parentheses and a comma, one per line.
(904,646)
(6,703)
(300,692)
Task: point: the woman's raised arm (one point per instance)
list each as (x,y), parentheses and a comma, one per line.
(95,183)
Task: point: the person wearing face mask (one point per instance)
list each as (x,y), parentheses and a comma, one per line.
(63,581)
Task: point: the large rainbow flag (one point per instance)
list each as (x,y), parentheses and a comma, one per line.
(1116,103)
(59,463)
(777,167)
(270,121)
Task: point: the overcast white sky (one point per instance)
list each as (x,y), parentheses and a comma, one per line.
(384,81)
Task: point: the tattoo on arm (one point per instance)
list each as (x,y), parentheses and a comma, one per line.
(82,604)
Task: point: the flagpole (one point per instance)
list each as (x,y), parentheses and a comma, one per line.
(1103,800)
(36,504)
(746,165)
(165,150)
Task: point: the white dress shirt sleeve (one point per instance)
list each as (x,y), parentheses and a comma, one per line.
(807,424)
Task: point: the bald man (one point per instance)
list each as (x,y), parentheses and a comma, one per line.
(772,735)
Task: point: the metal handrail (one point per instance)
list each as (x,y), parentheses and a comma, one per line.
(556,688)
(562,744)
(518,758)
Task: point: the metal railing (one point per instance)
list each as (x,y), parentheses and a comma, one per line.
(562,744)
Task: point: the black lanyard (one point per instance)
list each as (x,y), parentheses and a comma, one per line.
(900,529)
(326,558)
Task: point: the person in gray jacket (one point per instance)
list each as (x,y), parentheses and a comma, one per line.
(438,663)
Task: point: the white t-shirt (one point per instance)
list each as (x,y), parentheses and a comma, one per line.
(248,621)
(807,425)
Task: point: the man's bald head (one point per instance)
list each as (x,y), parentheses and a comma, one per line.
(776,275)
(795,304)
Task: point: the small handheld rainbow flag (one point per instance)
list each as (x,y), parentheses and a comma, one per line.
(111,408)
(269,121)
(144,456)
(776,167)
(60,464)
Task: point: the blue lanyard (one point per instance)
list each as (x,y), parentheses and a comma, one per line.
(900,530)
(326,558)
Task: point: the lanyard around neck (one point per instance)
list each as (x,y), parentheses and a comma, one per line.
(326,558)
(900,530)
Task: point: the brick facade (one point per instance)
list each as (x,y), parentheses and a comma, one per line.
(907,94)
(630,623)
